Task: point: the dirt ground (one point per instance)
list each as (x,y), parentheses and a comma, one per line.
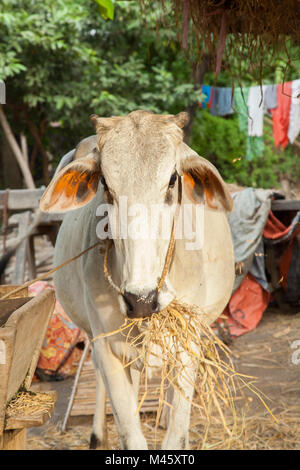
(271,353)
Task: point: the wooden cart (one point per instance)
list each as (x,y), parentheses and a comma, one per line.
(23,324)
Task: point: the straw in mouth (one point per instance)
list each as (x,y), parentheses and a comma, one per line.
(189,352)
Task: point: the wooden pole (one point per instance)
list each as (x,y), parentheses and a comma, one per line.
(71,400)
(16,150)
(24,147)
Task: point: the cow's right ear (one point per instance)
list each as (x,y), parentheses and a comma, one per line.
(73,186)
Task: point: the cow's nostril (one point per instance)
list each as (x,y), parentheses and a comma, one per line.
(128,304)
(141,306)
(155,305)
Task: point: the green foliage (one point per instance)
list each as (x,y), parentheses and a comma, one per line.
(62,62)
(220,141)
(106,8)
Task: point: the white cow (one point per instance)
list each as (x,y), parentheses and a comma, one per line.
(142,158)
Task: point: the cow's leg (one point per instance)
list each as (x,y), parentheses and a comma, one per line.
(122,395)
(99,433)
(135,377)
(165,414)
(177,434)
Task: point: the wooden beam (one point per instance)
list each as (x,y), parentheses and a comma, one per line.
(286,205)
(22,199)
(21,253)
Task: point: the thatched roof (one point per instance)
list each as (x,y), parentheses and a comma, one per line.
(271,17)
(226,27)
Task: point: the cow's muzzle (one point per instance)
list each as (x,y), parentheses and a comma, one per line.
(141,306)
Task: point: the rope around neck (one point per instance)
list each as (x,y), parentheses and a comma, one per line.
(168,255)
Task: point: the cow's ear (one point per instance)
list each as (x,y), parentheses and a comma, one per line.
(202,181)
(72,187)
(181,119)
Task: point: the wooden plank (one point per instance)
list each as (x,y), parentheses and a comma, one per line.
(8,306)
(21,253)
(284,205)
(13,440)
(36,419)
(7,338)
(22,199)
(30,323)
(46,219)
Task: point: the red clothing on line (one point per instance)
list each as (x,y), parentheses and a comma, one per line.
(281,114)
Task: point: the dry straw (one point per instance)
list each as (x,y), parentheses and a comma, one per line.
(183,341)
(28,403)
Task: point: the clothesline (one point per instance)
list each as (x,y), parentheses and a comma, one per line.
(281,102)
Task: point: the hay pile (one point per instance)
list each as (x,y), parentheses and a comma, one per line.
(27,403)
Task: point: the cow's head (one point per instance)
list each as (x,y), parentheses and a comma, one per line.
(139,159)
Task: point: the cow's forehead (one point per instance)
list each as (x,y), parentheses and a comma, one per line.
(139,156)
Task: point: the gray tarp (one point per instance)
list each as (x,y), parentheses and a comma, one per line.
(247,222)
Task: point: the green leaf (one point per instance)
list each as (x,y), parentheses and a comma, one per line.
(106,8)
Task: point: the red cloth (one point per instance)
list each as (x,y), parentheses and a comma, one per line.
(58,352)
(246,306)
(281,114)
(275,230)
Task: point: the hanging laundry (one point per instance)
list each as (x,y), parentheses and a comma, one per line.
(206,90)
(222,101)
(241,99)
(270,100)
(214,100)
(294,124)
(281,114)
(256,111)
(254,145)
(226,101)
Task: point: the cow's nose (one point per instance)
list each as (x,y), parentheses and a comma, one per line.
(141,306)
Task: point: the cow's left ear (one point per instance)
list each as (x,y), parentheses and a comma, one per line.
(202,181)
(73,186)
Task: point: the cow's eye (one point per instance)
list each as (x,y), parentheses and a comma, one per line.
(173,180)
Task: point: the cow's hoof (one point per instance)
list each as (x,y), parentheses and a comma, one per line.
(96,444)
